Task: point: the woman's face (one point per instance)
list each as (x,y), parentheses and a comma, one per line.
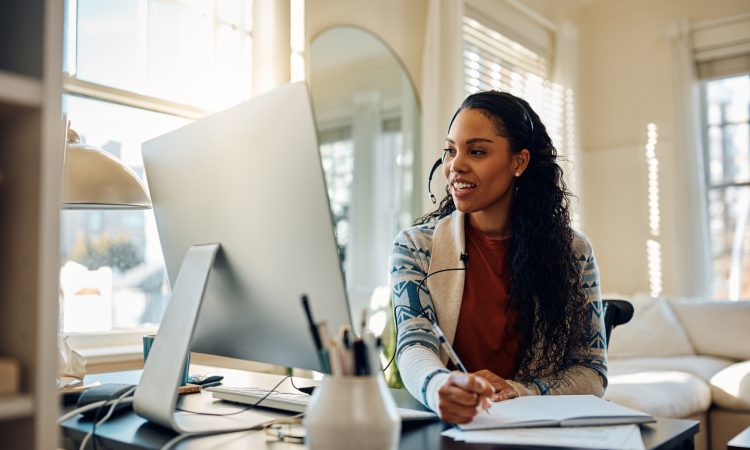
(479,164)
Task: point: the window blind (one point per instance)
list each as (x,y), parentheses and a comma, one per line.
(492,60)
(722,47)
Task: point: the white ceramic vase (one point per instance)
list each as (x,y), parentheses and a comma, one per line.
(352,412)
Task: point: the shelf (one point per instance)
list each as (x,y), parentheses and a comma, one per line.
(16,407)
(19,90)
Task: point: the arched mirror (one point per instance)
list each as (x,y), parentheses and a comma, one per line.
(368,119)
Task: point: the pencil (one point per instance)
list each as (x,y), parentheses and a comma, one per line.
(449,350)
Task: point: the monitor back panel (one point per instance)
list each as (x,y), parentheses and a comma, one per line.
(250,178)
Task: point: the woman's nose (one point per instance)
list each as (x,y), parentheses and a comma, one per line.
(458,163)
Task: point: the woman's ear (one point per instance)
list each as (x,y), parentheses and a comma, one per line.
(521,161)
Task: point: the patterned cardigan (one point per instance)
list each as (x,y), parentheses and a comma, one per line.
(428,248)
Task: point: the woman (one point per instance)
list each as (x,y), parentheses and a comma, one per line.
(514,289)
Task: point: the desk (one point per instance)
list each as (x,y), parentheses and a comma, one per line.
(131,432)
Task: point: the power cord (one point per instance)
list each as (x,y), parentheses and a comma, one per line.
(248,407)
(126,398)
(181,437)
(98,422)
(87,408)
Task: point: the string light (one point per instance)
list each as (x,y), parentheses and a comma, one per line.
(653,246)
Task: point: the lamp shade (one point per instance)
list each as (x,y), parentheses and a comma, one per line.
(94,179)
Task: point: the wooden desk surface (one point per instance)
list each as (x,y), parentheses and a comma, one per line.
(129,431)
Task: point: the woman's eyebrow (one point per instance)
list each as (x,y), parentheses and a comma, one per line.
(471,141)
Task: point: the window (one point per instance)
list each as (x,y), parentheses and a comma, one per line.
(136,69)
(727,165)
(337,156)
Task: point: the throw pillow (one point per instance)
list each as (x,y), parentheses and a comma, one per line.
(719,328)
(653,331)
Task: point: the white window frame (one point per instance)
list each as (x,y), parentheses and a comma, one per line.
(114,348)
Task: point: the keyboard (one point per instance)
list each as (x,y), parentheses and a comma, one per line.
(293,401)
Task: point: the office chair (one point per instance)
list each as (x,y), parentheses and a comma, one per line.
(616,312)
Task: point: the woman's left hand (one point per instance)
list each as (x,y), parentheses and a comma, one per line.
(503,390)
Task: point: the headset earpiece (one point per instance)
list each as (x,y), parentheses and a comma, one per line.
(435,166)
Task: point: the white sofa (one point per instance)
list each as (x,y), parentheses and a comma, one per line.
(685,358)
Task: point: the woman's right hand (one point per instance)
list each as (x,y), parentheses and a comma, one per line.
(462,396)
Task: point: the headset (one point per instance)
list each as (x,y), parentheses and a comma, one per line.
(441,160)
(435,166)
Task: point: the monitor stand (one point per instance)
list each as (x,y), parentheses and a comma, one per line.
(156,394)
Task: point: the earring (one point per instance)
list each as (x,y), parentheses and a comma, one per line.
(517,174)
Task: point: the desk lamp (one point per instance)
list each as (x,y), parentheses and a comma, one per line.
(93,179)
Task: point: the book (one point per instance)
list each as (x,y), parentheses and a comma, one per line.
(556,411)
(10,376)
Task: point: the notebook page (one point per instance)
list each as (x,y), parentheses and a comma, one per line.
(551,410)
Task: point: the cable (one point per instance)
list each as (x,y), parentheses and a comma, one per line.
(91,433)
(291,380)
(84,409)
(421,311)
(181,437)
(122,399)
(248,407)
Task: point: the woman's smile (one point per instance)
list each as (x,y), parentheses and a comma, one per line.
(461,188)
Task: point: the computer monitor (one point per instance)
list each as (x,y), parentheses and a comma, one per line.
(251,180)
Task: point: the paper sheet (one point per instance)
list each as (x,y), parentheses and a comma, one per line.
(553,410)
(625,437)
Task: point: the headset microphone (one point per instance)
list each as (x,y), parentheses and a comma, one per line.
(429,179)
(464,258)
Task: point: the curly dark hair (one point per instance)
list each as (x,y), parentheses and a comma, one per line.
(547,301)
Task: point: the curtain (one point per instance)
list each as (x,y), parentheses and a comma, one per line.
(565,75)
(694,259)
(442,86)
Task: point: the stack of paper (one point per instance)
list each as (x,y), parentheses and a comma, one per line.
(556,411)
(556,421)
(625,437)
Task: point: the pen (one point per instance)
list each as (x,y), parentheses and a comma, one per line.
(345,347)
(363,324)
(322,352)
(449,350)
(328,350)
(361,356)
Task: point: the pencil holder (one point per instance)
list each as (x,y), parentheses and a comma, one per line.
(352,412)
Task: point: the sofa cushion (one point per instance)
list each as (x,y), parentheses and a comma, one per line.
(653,331)
(720,328)
(703,367)
(665,394)
(730,388)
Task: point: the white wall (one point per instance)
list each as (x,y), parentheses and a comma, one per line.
(399,23)
(625,83)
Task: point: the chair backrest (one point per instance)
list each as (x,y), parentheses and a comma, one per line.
(616,312)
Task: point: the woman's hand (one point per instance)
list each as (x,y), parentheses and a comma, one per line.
(503,390)
(462,396)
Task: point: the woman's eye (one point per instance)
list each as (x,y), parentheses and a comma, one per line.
(478,152)
(449,152)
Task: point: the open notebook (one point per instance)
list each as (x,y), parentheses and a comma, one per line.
(555,411)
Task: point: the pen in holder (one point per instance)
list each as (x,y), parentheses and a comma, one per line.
(352,407)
